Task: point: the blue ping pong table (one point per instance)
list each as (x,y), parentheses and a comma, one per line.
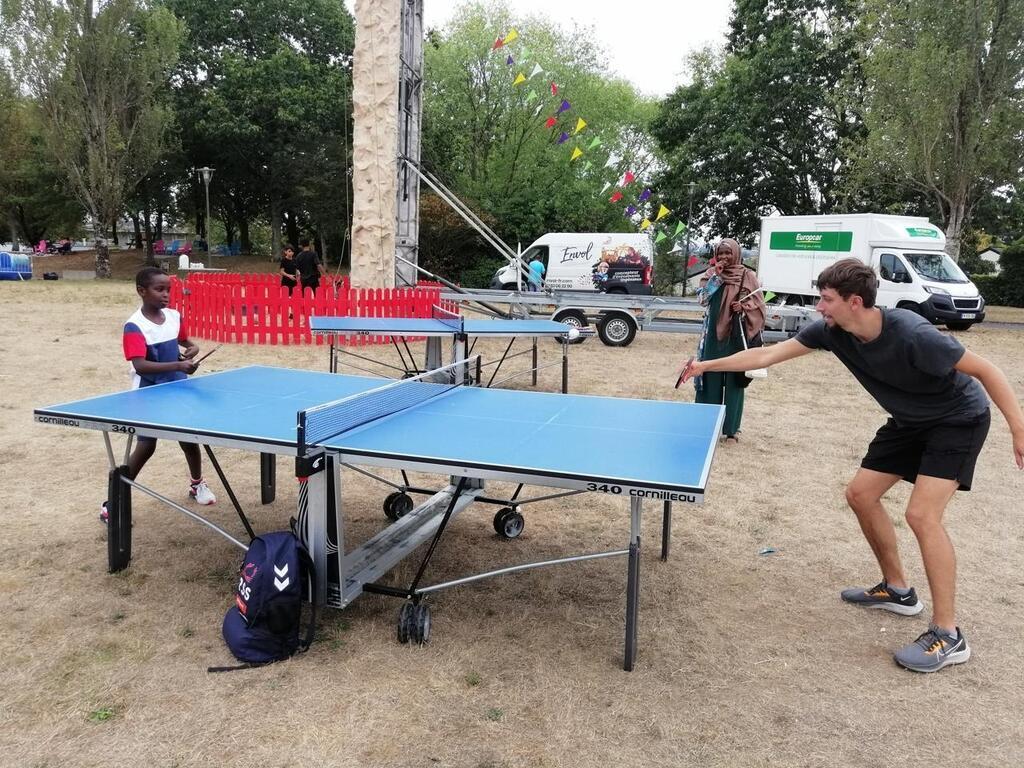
(443,324)
(636,449)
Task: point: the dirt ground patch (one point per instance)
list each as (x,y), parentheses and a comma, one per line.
(125,263)
(745,659)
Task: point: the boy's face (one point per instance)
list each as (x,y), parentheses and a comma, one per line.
(288,253)
(156,295)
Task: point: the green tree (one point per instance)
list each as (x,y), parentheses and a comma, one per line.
(766,123)
(98,76)
(486,137)
(263,95)
(946,103)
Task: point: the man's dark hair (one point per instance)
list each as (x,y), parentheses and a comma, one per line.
(304,243)
(145,276)
(850,277)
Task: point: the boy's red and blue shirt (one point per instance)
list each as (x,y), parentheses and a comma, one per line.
(156,343)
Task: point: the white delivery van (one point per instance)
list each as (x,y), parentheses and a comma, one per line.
(907,253)
(611,262)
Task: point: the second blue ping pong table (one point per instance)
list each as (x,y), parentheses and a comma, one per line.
(634,449)
(462,331)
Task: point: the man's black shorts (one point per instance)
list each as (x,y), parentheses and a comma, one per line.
(948,450)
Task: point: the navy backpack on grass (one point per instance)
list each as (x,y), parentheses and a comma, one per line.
(264,623)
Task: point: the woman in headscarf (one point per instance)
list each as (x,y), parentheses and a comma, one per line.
(735,305)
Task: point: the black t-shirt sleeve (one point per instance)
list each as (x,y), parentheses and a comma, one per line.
(934,352)
(813,336)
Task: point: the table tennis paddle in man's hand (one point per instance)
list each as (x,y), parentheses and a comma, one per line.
(686,370)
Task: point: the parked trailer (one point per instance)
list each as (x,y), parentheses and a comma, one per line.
(619,317)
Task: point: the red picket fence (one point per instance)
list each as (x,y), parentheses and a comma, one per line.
(256,309)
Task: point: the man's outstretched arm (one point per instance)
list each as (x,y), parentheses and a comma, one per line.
(749,359)
(998,388)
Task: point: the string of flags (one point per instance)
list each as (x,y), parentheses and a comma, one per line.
(638,206)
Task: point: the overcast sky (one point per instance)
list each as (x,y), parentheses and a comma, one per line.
(647,43)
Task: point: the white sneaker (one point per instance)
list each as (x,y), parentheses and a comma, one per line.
(202,494)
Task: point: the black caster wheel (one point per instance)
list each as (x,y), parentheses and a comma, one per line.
(421,623)
(406,622)
(508,523)
(397,504)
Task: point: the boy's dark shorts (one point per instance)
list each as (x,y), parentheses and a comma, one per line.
(948,450)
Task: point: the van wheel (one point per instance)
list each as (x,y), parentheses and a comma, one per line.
(794,301)
(616,329)
(959,326)
(911,306)
(574,318)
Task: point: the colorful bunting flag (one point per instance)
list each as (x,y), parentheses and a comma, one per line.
(563,107)
(497,44)
(539,106)
(520,78)
(536,71)
(644,196)
(680,227)
(510,61)
(554,88)
(616,196)
(512,35)
(531,96)
(662,212)
(612,161)
(594,142)
(564,137)
(661,236)
(692,261)
(768,296)
(580,125)
(605,187)
(587,166)
(524,54)
(577,152)
(645,223)
(550,122)
(630,210)
(627,179)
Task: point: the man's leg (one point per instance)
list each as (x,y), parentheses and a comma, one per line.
(864,495)
(924,515)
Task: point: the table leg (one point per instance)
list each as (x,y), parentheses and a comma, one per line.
(632,585)
(119,520)
(666,530)
(268,477)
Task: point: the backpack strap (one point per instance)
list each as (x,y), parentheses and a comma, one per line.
(307,562)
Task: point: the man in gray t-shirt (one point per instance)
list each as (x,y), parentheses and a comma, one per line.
(935,392)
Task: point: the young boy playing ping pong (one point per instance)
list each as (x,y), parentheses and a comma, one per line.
(935,392)
(152,338)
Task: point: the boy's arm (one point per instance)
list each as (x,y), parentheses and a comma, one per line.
(749,359)
(998,388)
(143,366)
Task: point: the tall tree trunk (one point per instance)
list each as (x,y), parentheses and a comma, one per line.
(954,228)
(229,231)
(102,258)
(138,230)
(292,225)
(148,224)
(275,228)
(243,235)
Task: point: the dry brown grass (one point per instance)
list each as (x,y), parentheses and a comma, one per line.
(745,660)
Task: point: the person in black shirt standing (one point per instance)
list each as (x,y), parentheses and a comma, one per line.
(929,384)
(309,266)
(288,268)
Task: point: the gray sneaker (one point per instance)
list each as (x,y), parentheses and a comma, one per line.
(934,650)
(882,596)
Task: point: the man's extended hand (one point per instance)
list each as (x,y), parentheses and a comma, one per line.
(1018,449)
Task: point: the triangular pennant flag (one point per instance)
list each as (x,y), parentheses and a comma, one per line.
(563,107)
(531,96)
(679,228)
(661,236)
(538,109)
(510,61)
(612,161)
(644,196)
(645,224)
(605,187)
(536,71)
(564,137)
(616,196)
(512,35)
(676,247)
(627,179)
(595,142)
(550,122)
(525,53)
(662,212)
(630,210)
(580,125)
(554,88)
(587,165)
(768,296)
(497,44)
(691,261)
(520,78)
(577,152)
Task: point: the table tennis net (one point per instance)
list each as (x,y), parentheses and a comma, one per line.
(320,424)
(451,319)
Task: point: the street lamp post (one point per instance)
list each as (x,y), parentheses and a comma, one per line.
(207,174)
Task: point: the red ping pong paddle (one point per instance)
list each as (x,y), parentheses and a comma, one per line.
(686,370)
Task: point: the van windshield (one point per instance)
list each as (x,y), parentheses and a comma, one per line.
(937,267)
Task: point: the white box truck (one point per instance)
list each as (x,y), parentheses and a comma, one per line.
(907,253)
(609,262)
